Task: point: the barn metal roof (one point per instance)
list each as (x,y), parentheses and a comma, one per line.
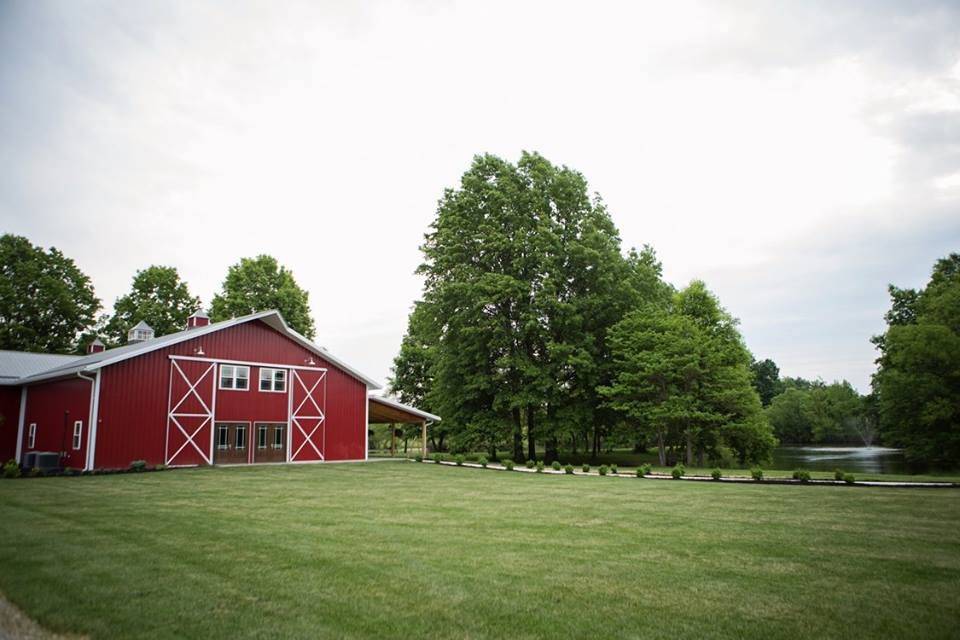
(95,361)
(20,364)
(402,408)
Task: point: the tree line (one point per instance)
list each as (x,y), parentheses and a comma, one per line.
(48,304)
(537,330)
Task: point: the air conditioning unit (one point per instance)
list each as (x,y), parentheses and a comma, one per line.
(29,459)
(47,460)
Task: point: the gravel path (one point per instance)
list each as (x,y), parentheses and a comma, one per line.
(15,625)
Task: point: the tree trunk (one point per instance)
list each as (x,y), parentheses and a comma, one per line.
(517,436)
(700,458)
(661,449)
(553,450)
(689,449)
(493,453)
(531,441)
(596,442)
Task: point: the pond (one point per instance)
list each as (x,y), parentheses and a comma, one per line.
(852,459)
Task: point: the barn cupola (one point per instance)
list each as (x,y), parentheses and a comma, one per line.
(96,346)
(198,319)
(140,332)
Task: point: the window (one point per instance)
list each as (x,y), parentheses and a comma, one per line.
(32,436)
(241,437)
(77,434)
(223,436)
(234,377)
(273,380)
(278,438)
(262,436)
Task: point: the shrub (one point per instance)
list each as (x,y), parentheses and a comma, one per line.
(418,458)
(568,469)
(639,472)
(837,474)
(603,469)
(483,461)
(756,473)
(437,458)
(678,471)
(539,466)
(163,467)
(138,465)
(70,471)
(35,472)
(802,475)
(849,478)
(531,464)
(508,464)
(585,468)
(11,469)
(556,465)
(716,474)
(645,469)
(471,457)
(459,459)
(613,469)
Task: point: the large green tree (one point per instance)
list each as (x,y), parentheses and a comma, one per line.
(523,277)
(683,377)
(45,300)
(918,379)
(261,283)
(157,296)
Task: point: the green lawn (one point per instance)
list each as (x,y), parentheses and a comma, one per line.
(397,549)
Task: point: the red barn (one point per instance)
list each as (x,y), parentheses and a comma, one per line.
(245,390)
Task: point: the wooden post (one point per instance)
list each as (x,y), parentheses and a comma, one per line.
(393,440)
(424,425)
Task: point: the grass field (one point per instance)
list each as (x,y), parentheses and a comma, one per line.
(395,549)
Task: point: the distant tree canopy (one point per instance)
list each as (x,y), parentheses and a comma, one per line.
(45,300)
(512,343)
(766,380)
(157,296)
(814,412)
(258,284)
(918,378)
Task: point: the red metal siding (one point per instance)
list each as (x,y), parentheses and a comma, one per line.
(9,421)
(54,407)
(132,420)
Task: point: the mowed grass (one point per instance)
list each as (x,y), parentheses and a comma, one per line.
(396,549)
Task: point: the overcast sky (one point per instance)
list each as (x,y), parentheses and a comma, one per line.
(798,157)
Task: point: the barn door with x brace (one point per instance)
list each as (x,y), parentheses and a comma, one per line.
(308,397)
(190,412)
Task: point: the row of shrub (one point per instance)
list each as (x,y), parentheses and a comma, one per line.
(677,472)
(13,470)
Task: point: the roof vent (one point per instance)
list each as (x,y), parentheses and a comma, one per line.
(198,319)
(142,331)
(96,346)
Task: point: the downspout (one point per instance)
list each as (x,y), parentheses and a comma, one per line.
(92,418)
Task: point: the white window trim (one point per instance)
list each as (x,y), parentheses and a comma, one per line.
(283,437)
(223,428)
(273,380)
(236,368)
(244,432)
(262,428)
(77,434)
(32,436)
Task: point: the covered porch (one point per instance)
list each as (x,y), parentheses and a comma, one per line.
(382,410)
